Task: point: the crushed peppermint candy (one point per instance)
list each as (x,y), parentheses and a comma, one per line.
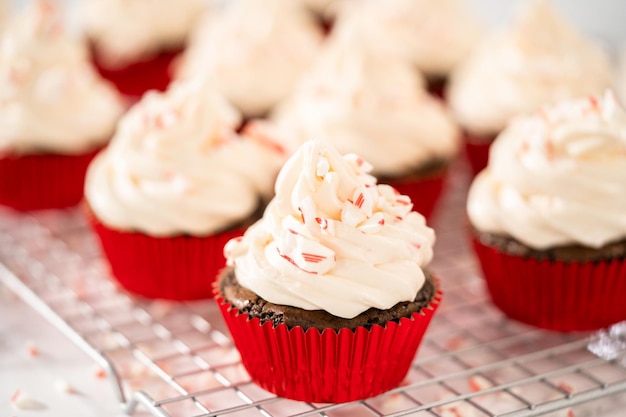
(99,373)
(63,386)
(32,350)
(307,255)
(323,167)
(22,401)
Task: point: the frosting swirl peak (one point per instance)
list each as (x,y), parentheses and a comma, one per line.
(557,177)
(333,239)
(371,102)
(176,166)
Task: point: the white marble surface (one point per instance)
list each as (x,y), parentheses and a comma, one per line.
(38,376)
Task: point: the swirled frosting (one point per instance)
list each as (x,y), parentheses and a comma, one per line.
(51,99)
(333,239)
(124,31)
(557,177)
(257,49)
(175,166)
(434,35)
(539,60)
(369,102)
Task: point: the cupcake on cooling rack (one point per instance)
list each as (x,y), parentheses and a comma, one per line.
(175,184)
(373,103)
(548,218)
(539,59)
(326,297)
(55,111)
(436,36)
(134,42)
(256,49)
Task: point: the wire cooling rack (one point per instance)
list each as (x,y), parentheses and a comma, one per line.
(176,359)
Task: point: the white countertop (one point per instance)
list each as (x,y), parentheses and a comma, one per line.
(21,328)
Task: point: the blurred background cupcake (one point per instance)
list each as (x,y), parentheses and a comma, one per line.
(56,112)
(548,218)
(256,50)
(538,59)
(134,42)
(372,102)
(174,185)
(327,296)
(435,36)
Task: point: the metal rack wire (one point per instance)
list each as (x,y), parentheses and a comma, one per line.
(176,359)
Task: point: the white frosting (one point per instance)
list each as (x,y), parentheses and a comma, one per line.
(175,166)
(51,99)
(435,35)
(369,102)
(539,60)
(256,49)
(326,8)
(332,239)
(124,31)
(557,178)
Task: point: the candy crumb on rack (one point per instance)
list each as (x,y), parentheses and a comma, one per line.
(63,386)
(99,373)
(32,350)
(478,383)
(22,401)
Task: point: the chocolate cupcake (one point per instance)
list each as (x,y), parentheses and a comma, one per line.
(56,112)
(548,219)
(135,43)
(538,59)
(175,184)
(247,302)
(367,100)
(335,270)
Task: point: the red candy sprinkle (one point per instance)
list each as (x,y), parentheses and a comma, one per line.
(312,257)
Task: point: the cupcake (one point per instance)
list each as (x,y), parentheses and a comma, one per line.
(55,111)
(255,49)
(436,36)
(326,297)
(173,186)
(548,219)
(539,60)
(134,42)
(373,103)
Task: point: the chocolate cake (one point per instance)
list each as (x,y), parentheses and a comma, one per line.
(256,307)
(430,169)
(567,253)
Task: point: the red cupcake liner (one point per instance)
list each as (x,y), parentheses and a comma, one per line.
(172,268)
(477,151)
(560,296)
(135,79)
(327,366)
(424,193)
(43,181)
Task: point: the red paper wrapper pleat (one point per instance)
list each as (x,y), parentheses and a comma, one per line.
(424,193)
(327,366)
(555,295)
(477,151)
(43,181)
(175,268)
(135,79)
